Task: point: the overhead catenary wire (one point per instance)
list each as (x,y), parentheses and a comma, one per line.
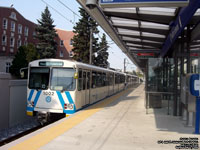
(69,8)
(57,11)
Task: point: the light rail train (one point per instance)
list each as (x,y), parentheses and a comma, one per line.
(64,86)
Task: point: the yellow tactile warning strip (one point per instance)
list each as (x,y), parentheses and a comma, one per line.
(46,136)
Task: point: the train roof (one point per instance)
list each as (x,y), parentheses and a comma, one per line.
(71,63)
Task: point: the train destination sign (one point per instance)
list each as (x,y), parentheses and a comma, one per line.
(50,63)
(142,3)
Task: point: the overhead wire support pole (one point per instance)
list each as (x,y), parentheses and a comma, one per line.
(124,65)
(91,35)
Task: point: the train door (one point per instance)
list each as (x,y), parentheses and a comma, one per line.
(108,83)
(86,87)
(87,91)
(113,82)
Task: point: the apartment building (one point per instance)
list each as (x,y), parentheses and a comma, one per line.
(15,31)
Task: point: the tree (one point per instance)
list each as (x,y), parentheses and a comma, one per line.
(46,34)
(81,40)
(24,55)
(102,54)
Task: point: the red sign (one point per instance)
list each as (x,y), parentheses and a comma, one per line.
(194,54)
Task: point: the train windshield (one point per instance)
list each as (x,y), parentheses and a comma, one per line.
(39,78)
(62,79)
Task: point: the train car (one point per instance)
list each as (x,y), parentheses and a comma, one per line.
(131,80)
(64,86)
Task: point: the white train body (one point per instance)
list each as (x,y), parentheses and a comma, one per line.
(63,86)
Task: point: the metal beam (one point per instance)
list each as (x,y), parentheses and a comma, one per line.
(156,45)
(145,51)
(154,18)
(142,29)
(156,39)
(179,24)
(141,47)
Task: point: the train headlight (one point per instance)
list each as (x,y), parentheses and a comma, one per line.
(70,106)
(30,104)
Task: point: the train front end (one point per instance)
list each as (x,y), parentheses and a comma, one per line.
(51,88)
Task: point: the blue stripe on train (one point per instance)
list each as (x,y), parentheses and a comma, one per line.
(63,102)
(60,99)
(37,97)
(70,99)
(35,100)
(29,108)
(30,95)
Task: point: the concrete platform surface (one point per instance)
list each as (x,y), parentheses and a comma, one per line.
(119,124)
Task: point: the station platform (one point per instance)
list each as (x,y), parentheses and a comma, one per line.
(119,122)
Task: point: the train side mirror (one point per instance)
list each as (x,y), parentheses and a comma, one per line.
(22,74)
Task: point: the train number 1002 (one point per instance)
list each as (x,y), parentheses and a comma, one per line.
(48,93)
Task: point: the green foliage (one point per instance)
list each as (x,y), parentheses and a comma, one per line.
(46,34)
(24,55)
(81,41)
(134,72)
(102,54)
(140,74)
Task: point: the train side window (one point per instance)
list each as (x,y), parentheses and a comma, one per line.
(122,79)
(94,79)
(88,80)
(108,79)
(116,78)
(104,78)
(80,83)
(84,80)
(111,78)
(99,79)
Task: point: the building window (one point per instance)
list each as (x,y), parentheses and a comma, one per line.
(12,27)
(8,64)
(19,29)
(61,43)
(71,42)
(12,42)
(26,31)
(34,34)
(11,50)
(25,43)
(13,15)
(70,54)
(61,53)
(5,23)
(19,43)
(4,40)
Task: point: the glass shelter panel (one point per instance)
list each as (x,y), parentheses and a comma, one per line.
(159,87)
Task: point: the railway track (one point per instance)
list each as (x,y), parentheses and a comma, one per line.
(28,131)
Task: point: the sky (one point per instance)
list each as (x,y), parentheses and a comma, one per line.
(65,19)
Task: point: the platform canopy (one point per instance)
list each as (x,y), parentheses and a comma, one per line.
(141,31)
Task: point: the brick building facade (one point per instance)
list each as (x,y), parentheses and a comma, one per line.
(16,31)
(64,40)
